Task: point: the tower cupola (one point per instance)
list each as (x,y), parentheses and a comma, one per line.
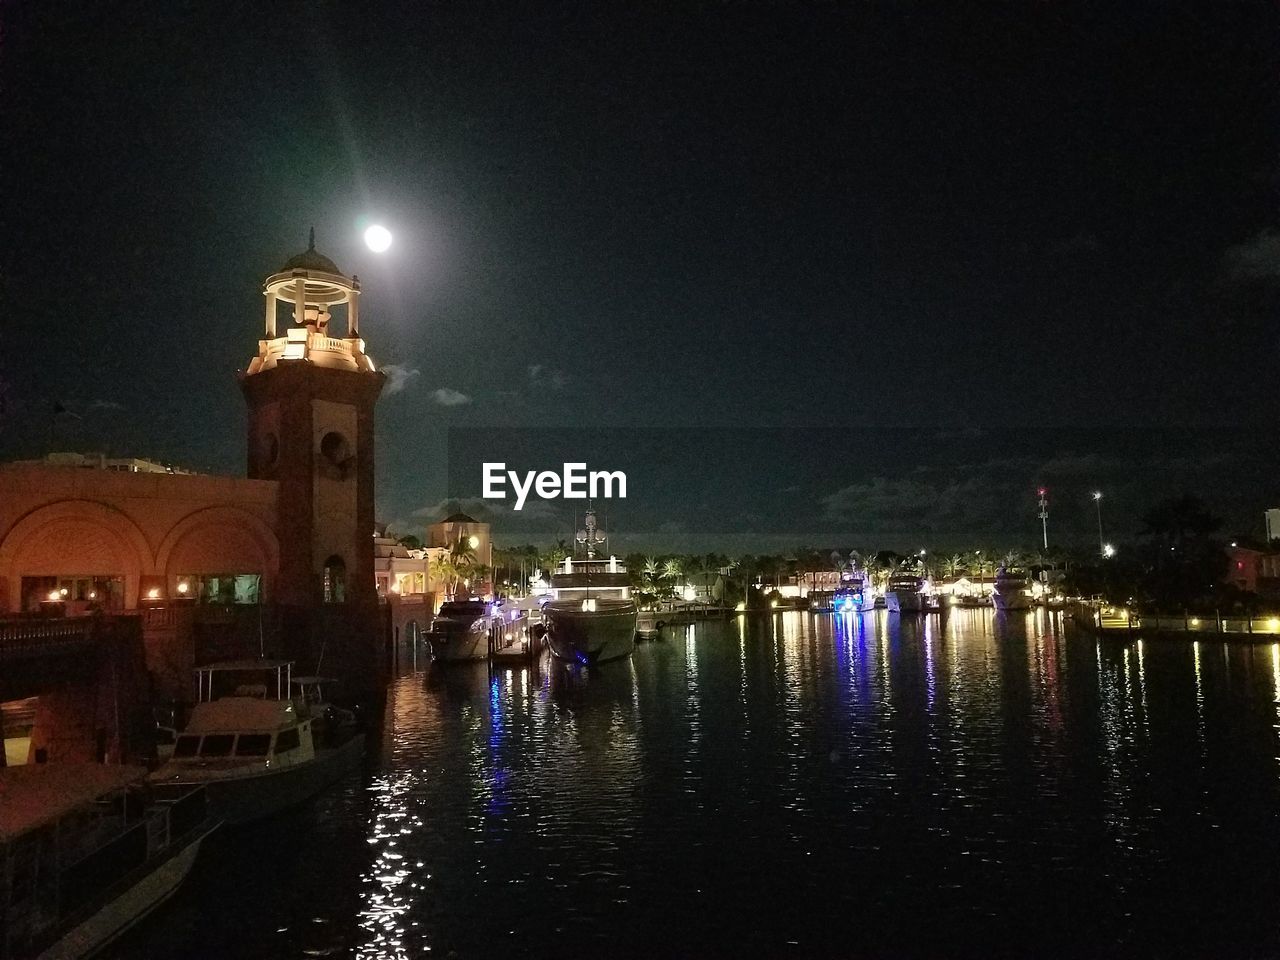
(311,284)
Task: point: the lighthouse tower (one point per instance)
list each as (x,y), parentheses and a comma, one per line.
(311,392)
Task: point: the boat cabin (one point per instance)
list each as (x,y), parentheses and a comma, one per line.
(248,726)
(590,579)
(73,834)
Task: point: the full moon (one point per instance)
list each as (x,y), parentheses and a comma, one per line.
(377,238)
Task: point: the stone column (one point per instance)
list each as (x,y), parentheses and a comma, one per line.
(300,304)
(353,314)
(271,316)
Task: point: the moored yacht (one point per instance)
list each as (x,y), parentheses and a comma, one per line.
(590,617)
(460,631)
(850,596)
(86,851)
(258,750)
(1010,591)
(903,593)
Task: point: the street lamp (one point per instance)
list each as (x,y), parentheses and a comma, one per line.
(1097,502)
(1108,551)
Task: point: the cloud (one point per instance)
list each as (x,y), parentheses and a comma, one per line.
(399,377)
(448,397)
(1086,465)
(542,377)
(541,514)
(960,433)
(1256,259)
(884,504)
(105,405)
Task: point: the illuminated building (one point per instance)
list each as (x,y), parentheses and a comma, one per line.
(281,559)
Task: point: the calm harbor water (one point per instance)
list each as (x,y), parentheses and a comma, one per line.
(790,786)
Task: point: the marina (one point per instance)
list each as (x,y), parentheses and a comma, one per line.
(1010,772)
(628,482)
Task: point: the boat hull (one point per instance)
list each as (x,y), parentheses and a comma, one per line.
(1007,602)
(595,636)
(458,645)
(903,601)
(241,799)
(647,625)
(132,905)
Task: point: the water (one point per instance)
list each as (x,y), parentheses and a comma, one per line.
(795,786)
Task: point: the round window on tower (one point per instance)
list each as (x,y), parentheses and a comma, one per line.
(335,449)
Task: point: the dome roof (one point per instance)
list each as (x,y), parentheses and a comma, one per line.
(311,259)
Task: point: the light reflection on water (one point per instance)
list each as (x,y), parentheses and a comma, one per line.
(791,784)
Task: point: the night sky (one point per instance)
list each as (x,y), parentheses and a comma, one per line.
(927,253)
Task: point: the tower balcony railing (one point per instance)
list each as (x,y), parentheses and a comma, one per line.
(320,348)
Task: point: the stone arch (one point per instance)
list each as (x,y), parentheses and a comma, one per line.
(221,539)
(73,537)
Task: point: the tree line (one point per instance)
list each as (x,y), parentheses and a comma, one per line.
(1177,562)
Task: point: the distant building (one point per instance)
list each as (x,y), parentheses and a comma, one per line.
(1254,571)
(100,461)
(1271,518)
(405,571)
(458,528)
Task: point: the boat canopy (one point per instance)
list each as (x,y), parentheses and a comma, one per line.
(281,668)
(241,715)
(244,666)
(36,794)
(462,607)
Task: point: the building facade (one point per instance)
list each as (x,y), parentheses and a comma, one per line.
(279,561)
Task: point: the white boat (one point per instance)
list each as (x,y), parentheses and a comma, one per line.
(590,617)
(1010,591)
(460,631)
(902,594)
(647,625)
(257,754)
(86,851)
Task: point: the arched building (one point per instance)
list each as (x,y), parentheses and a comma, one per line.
(280,559)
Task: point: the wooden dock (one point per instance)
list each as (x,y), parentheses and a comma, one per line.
(1121,624)
(514,642)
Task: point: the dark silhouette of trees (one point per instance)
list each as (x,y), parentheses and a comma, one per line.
(1183,562)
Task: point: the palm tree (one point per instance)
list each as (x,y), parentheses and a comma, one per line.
(556,555)
(1014,558)
(881,567)
(651,572)
(442,568)
(955,564)
(981,560)
(838,562)
(704,570)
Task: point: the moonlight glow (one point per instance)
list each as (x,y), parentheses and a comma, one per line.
(377,238)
